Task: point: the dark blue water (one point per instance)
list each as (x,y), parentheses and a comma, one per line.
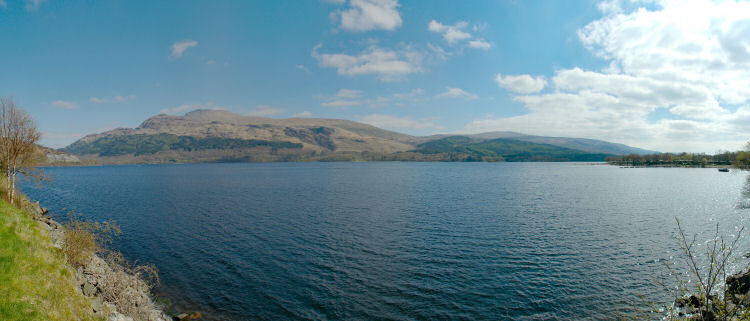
(402,241)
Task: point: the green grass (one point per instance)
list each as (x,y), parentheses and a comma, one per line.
(36,283)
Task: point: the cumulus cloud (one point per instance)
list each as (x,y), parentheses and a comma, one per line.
(689,61)
(702,42)
(452,92)
(178,48)
(457,33)
(398,123)
(523,84)
(385,64)
(451,34)
(479,44)
(304,114)
(366,15)
(64,104)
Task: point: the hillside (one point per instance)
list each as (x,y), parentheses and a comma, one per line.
(222,136)
(582,144)
(37,283)
(471,149)
(216,135)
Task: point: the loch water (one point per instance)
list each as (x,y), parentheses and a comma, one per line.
(404,241)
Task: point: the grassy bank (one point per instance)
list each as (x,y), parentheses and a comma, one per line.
(36,282)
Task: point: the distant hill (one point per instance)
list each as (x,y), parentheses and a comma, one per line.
(582,144)
(503,149)
(51,156)
(222,136)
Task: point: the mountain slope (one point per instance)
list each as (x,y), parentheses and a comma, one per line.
(473,149)
(216,135)
(220,136)
(583,144)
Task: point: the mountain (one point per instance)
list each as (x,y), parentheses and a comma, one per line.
(222,136)
(583,144)
(465,148)
(217,135)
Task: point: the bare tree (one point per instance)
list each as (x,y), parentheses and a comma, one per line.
(18,148)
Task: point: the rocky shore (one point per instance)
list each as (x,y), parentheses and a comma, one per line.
(97,279)
(736,299)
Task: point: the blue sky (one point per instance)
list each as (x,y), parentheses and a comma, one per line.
(624,71)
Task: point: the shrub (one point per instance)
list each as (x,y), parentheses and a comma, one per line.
(702,292)
(128,286)
(84,238)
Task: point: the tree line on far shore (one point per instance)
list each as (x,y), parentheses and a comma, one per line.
(738,159)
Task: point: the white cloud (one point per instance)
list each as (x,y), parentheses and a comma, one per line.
(340,103)
(397,123)
(210,62)
(64,104)
(348,93)
(453,33)
(352,97)
(523,84)
(365,15)
(303,68)
(703,43)
(178,48)
(386,65)
(181,109)
(3,4)
(344,98)
(400,99)
(457,34)
(452,92)
(304,114)
(33,5)
(409,95)
(677,80)
(479,44)
(115,99)
(264,111)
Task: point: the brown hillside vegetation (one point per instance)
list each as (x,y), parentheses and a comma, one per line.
(314,134)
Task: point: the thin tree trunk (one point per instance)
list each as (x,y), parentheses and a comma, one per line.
(7,183)
(13,187)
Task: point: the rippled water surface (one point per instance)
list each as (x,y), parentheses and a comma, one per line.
(403,241)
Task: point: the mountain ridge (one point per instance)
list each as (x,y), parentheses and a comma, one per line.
(219,135)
